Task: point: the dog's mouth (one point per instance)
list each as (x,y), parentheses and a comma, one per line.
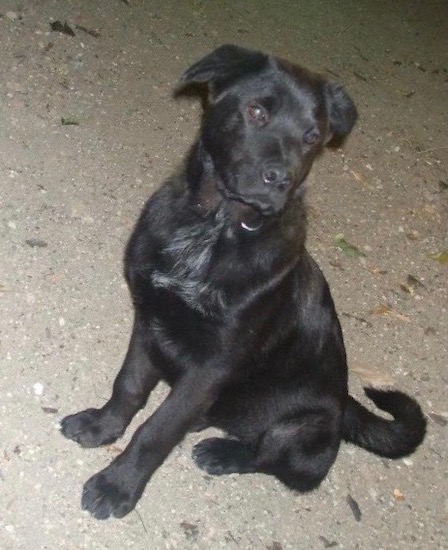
(257,202)
(249,212)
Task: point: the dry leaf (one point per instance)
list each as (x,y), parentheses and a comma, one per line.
(114,449)
(411,285)
(63,28)
(429,209)
(398,495)
(56,277)
(439,419)
(376,270)
(67,121)
(50,410)
(414,282)
(360,178)
(4,289)
(354,507)
(372,376)
(92,32)
(413,235)
(386,310)
(36,243)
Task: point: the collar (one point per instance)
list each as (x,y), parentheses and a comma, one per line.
(252,225)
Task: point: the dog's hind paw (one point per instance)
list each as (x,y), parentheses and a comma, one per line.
(219,456)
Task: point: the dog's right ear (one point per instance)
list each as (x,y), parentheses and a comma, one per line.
(223,66)
(342,112)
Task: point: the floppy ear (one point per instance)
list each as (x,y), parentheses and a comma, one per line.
(341,110)
(224,65)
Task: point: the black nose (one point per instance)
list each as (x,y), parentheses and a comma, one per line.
(276,175)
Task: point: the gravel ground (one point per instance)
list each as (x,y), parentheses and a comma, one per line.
(71,192)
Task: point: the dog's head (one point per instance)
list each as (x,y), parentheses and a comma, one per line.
(266,122)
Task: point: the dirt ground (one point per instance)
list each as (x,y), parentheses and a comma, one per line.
(71,192)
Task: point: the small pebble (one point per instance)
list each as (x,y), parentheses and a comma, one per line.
(38,388)
(15,87)
(39,243)
(11,15)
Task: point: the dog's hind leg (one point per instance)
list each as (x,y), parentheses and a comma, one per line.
(134,383)
(299,451)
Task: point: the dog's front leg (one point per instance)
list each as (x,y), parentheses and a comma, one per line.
(134,383)
(115,490)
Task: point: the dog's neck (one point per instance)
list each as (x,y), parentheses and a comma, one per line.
(204,193)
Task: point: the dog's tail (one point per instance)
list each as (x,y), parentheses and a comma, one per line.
(390,438)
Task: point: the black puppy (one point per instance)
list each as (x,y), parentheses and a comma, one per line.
(230,309)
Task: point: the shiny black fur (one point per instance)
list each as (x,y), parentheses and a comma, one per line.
(230,309)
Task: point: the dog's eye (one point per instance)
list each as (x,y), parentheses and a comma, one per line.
(258,113)
(311,136)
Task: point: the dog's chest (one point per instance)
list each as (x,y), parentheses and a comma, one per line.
(186,266)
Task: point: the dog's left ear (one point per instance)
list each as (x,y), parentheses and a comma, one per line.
(223,66)
(341,111)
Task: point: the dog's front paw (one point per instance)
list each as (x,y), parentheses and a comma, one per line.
(91,428)
(107,494)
